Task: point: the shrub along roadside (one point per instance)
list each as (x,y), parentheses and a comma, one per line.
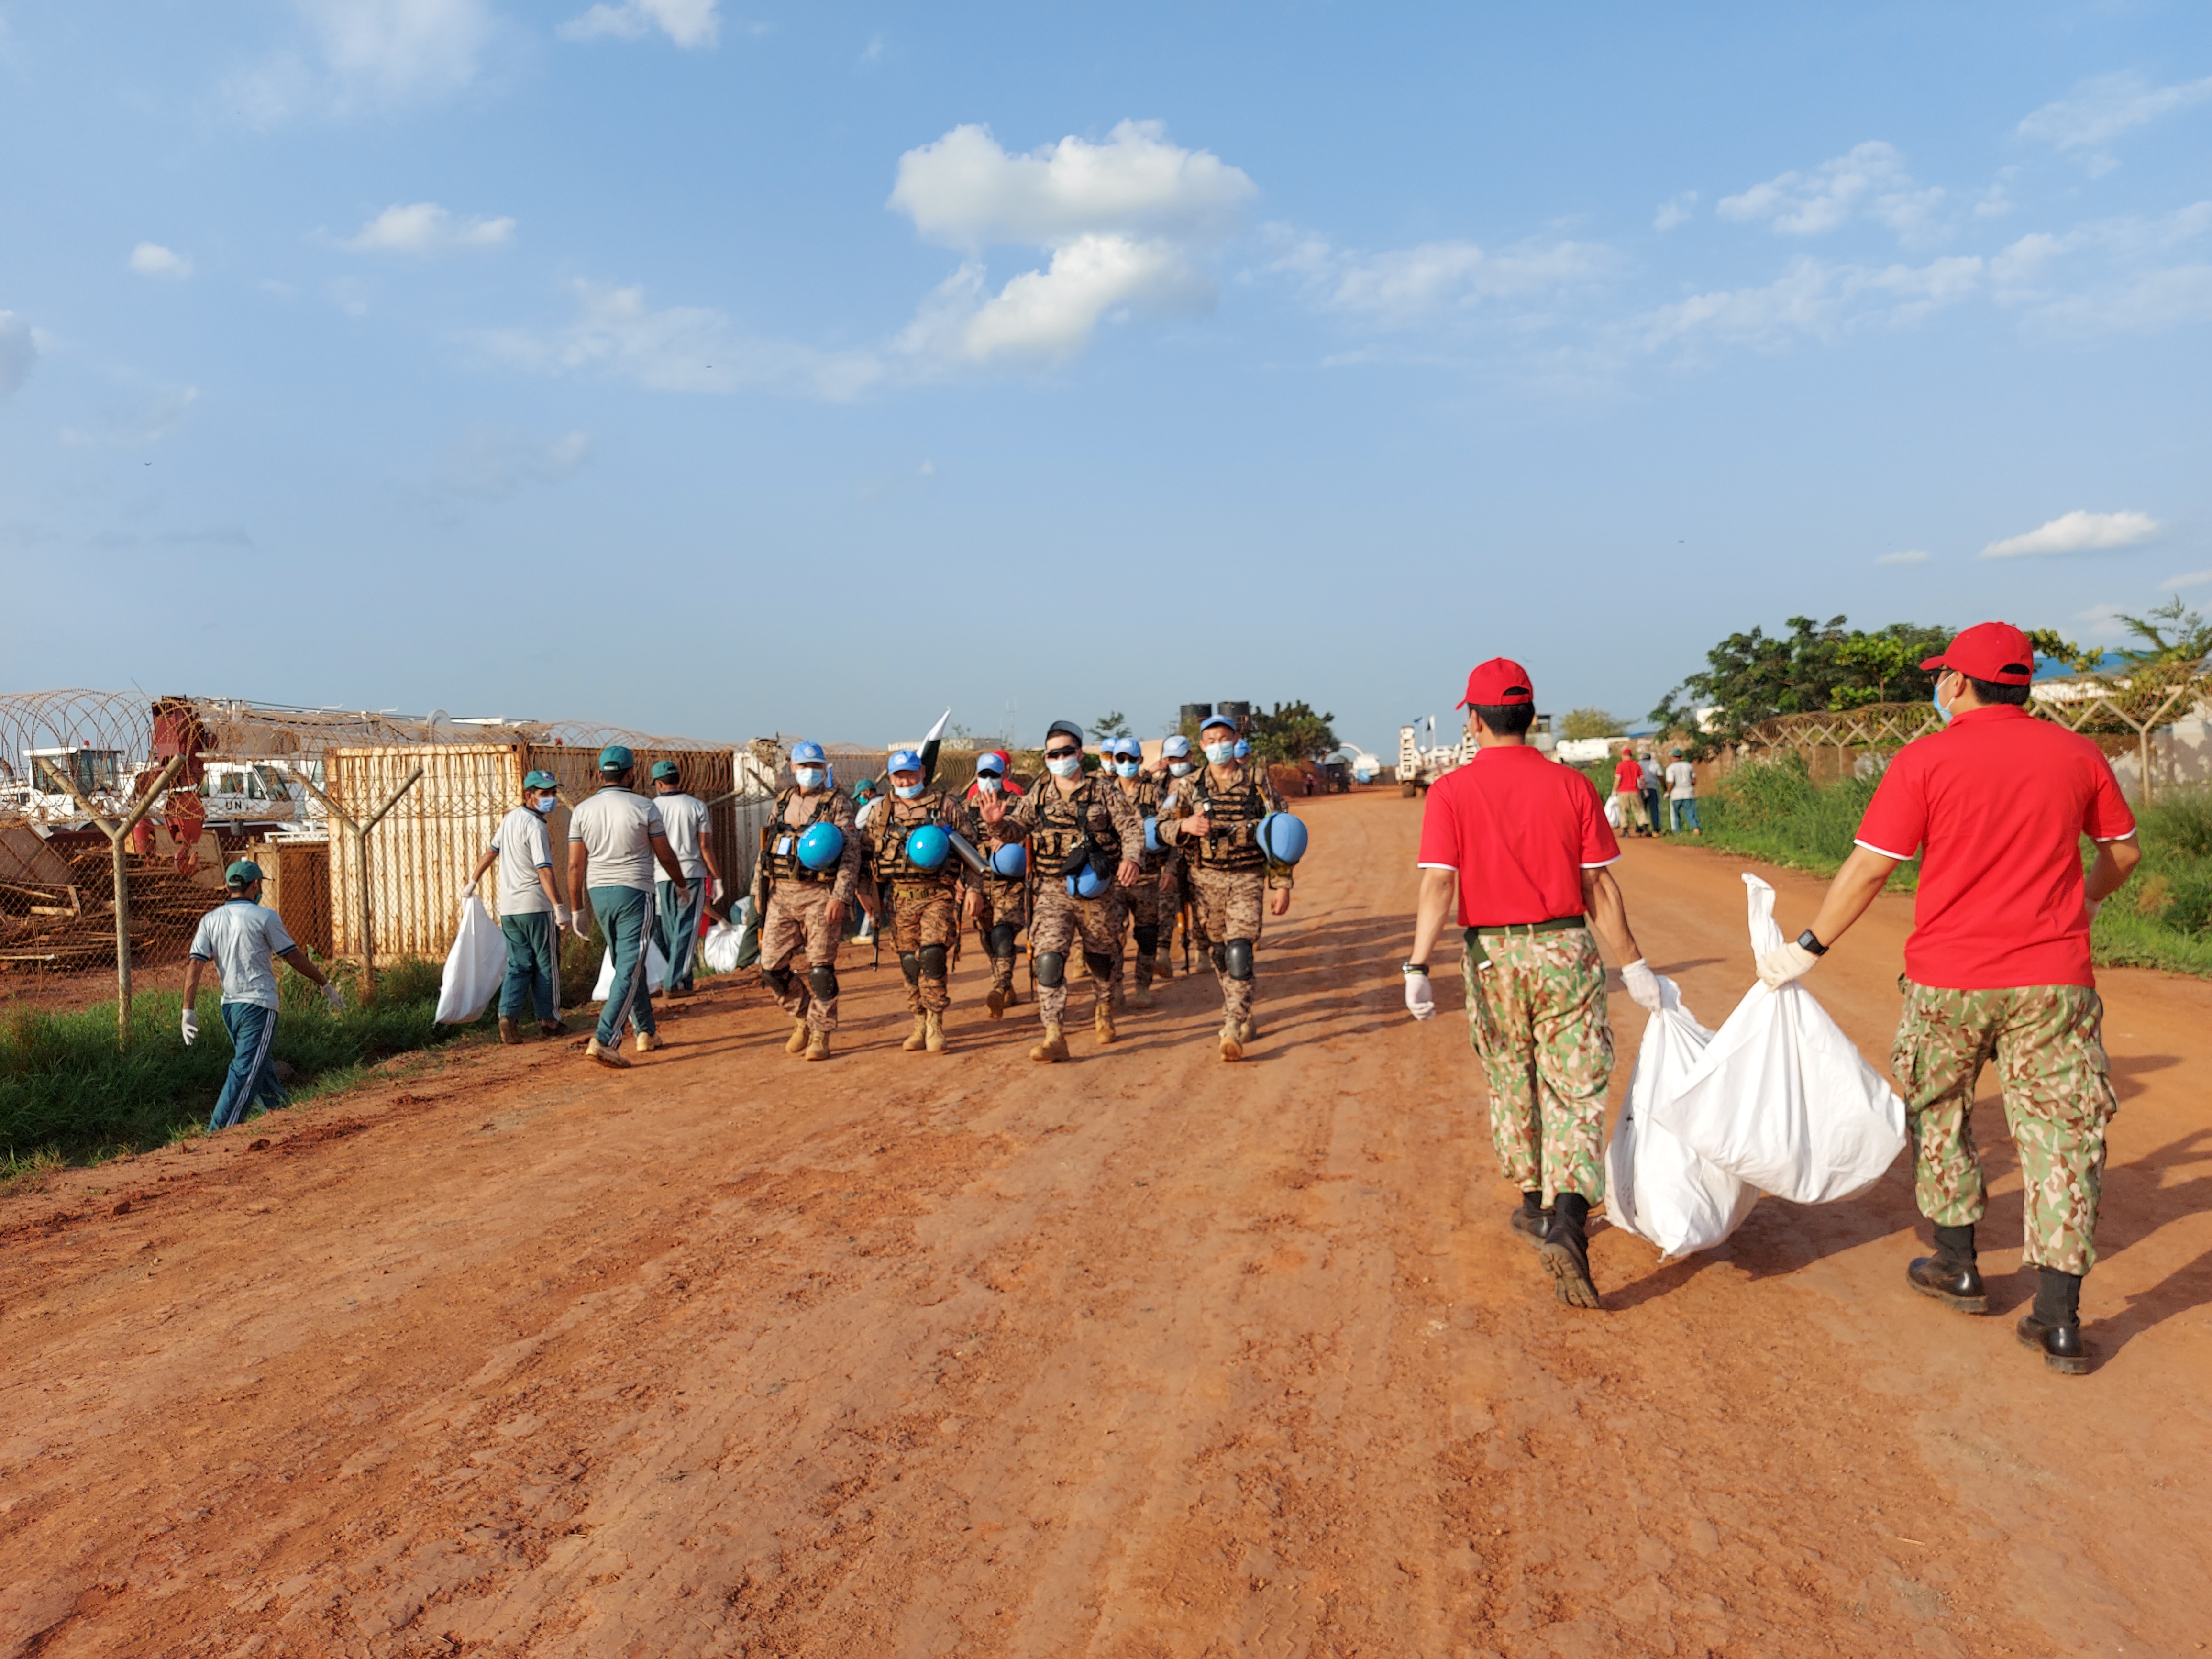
(69,1093)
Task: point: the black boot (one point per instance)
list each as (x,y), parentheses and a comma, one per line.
(1950,1275)
(1532,1219)
(1565,1251)
(2054,1323)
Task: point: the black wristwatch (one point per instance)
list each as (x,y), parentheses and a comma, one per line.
(1409,968)
(1806,941)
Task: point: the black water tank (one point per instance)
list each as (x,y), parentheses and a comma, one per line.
(1195,712)
(1239,712)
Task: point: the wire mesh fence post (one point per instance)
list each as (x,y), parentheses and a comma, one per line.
(361,833)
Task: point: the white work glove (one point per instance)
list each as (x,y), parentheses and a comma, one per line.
(1777,968)
(560,918)
(1420,997)
(192,1026)
(469,891)
(719,889)
(1641,984)
(334,997)
(579,927)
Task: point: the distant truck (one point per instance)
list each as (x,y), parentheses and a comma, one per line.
(1421,764)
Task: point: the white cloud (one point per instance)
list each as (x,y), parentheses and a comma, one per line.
(1872,178)
(486,463)
(688,23)
(1909,555)
(2103,108)
(1048,316)
(152,259)
(677,349)
(19,353)
(1401,287)
(2077,532)
(1812,298)
(426,227)
(1676,210)
(2105,277)
(2187,579)
(367,54)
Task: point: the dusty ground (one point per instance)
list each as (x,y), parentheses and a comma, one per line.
(1141,1355)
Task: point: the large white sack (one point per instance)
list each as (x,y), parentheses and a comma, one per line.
(729,945)
(1655,1187)
(656,971)
(1781,1099)
(474,967)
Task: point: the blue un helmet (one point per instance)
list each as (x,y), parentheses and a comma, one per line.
(1175,748)
(927,847)
(1243,750)
(1282,838)
(1010,860)
(1086,884)
(821,846)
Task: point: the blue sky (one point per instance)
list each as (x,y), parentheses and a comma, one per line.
(724,370)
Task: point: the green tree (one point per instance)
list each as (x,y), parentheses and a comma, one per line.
(2170,633)
(1590,723)
(1754,677)
(1291,731)
(1110,725)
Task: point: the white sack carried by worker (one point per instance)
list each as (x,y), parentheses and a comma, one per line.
(656,972)
(1655,1187)
(475,966)
(1781,1098)
(729,945)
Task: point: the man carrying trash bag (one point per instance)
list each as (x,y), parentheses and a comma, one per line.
(531,914)
(1526,845)
(1997,966)
(245,942)
(615,839)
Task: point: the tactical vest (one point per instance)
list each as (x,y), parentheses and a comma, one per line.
(1063,824)
(1228,810)
(1146,801)
(890,829)
(780,841)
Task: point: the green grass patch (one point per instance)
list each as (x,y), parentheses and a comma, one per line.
(69,1093)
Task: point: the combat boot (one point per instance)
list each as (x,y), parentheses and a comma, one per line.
(607,1055)
(1162,968)
(1053,1048)
(508,1030)
(1532,1220)
(648,1041)
(1248,1030)
(918,1037)
(1950,1275)
(1565,1251)
(1230,1049)
(817,1045)
(2053,1325)
(796,1042)
(1102,1022)
(1141,996)
(994,1004)
(934,1032)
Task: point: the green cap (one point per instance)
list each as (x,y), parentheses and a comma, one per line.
(540,781)
(664,769)
(616,758)
(244,873)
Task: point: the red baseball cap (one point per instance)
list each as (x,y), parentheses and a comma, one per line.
(1498,682)
(1996,652)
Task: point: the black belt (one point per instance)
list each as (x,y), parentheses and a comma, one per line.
(1476,934)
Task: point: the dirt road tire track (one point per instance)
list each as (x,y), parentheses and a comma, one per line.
(1137,1355)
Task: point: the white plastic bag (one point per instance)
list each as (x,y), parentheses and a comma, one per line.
(656,972)
(1781,1098)
(729,945)
(1613,813)
(1654,1186)
(474,967)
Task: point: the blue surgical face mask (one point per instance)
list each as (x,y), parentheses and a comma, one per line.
(1128,769)
(908,791)
(1066,768)
(1181,768)
(988,781)
(810,777)
(1221,753)
(546,803)
(1942,708)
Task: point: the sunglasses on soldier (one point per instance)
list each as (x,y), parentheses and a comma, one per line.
(1060,754)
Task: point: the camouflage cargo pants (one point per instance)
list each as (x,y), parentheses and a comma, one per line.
(1142,904)
(1057,925)
(1002,904)
(1225,905)
(797,926)
(923,914)
(1536,1016)
(2048,1043)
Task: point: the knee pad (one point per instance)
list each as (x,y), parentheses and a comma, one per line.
(1239,954)
(1101,965)
(932,962)
(910,965)
(1148,940)
(1002,940)
(778,980)
(1221,955)
(825,981)
(1048,966)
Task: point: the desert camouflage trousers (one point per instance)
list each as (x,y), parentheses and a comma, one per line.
(1057,924)
(1002,902)
(1537,1015)
(2048,1043)
(796,935)
(923,913)
(1226,905)
(1142,904)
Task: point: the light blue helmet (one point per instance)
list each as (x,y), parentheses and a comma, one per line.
(1175,748)
(1010,860)
(808,754)
(927,847)
(903,760)
(821,846)
(1244,749)
(1281,837)
(1086,883)
(1129,748)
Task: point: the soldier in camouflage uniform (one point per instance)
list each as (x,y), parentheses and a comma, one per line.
(1524,844)
(1997,803)
(803,910)
(926,902)
(1174,877)
(1215,825)
(1143,901)
(1071,824)
(1002,902)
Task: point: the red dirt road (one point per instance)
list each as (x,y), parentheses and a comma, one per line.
(1139,1355)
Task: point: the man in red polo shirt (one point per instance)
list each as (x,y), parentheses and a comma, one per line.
(1525,843)
(1628,790)
(1997,966)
